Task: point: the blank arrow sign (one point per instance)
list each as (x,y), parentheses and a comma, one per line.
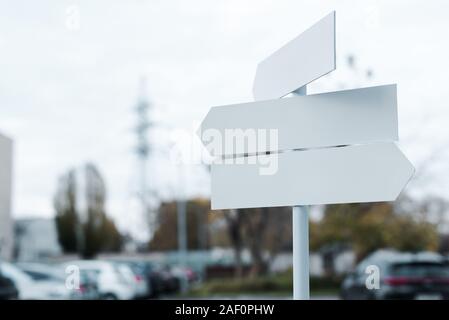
(366,173)
(302,60)
(329,119)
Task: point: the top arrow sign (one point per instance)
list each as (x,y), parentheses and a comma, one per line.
(302,60)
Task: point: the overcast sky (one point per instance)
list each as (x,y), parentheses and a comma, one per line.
(68,86)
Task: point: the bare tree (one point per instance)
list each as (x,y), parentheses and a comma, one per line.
(234,221)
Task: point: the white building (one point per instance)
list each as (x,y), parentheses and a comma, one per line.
(36,239)
(6,229)
(284,261)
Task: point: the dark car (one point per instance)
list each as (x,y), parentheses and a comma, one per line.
(159,277)
(8,290)
(401,276)
(171,283)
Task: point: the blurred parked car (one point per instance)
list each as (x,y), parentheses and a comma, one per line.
(8,290)
(135,278)
(29,289)
(402,276)
(163,279)
(160,280)
(113,283)
(145,287)
(154,277)
(184,276)
(88,289)
(184,272)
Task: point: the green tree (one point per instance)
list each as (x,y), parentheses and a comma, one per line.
(368,227)
(87,230)
(66,216)
(165,238)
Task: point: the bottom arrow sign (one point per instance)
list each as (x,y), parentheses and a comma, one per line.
(365,173)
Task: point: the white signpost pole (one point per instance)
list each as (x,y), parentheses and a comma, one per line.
(301,274)
(301,253)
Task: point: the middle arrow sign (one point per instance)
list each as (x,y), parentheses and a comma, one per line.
(322,120)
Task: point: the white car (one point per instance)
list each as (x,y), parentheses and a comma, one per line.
(34,290)
(111,281)
(135,280)
(86,290)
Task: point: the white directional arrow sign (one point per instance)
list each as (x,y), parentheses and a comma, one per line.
(319,149)
(302,60)
(366,173)
(321,120)
(307,163)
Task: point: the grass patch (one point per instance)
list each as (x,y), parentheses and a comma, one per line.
(276,284)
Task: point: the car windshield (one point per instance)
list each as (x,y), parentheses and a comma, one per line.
(43,276)
(137,268)
(420,269)
(15,274)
